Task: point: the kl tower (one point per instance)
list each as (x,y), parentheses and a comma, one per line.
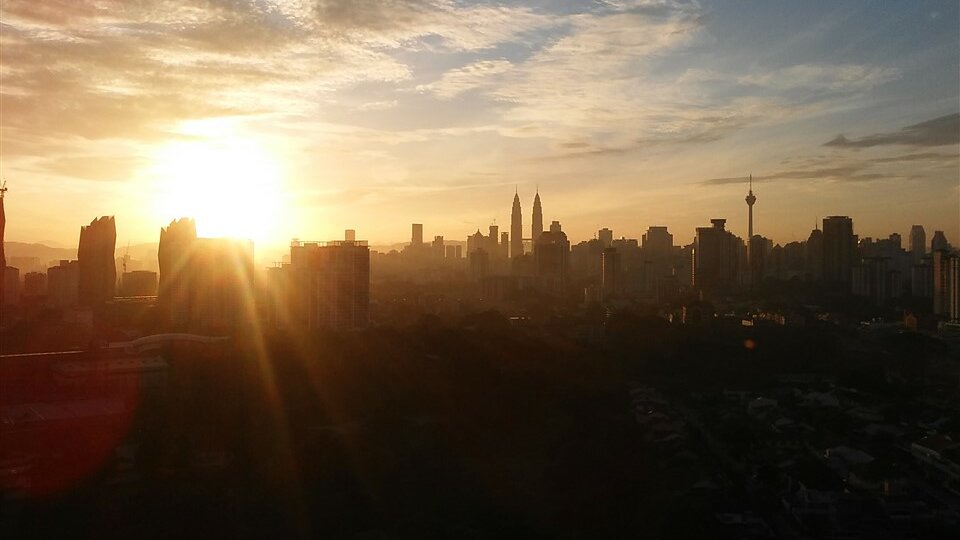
(750,199)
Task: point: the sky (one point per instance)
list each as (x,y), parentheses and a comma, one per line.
(275,119)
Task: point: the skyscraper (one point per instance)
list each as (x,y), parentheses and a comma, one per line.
(516,228)
(946,289)
(98,270)
(715,256)
(918,243)
(605,236)
(839,251)
(610,274)
(329,285)
(416,236)
(551,255)
(206,284)
(537,229)
(939,242)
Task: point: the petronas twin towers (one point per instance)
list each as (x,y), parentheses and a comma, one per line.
(516,224)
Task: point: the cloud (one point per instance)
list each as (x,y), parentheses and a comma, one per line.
(941,131)
(463,79)
(832,77)
(395,23)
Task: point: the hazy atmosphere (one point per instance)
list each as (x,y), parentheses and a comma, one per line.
(275,119)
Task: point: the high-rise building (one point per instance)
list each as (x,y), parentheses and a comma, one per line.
(939,242)
(813,265)
(918,243)
(605,236)
(350,235)
(551,255)
(493,242)
(328,285)
(63,284)
(715,256)
(98,271)
(610,271)
(839,251)
(537,228)
(504,245)
(516,227)
(416,235)
(206,284)
(946,289)
(11,285)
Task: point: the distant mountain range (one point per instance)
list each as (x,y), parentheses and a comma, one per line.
(47,254)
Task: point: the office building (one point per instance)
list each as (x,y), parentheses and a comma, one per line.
(206,284)
(98,271)
(610,262)
(715,256)
(63,284)
(516,227)
(416,236)
(551,255)
(537,228)
(839,251)
(939,242)
(327,286)
(605,236)
(946,289)
(11,286)
(918,243)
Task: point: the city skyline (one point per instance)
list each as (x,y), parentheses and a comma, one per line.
(302,122)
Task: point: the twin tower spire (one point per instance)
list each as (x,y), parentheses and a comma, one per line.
(516,223)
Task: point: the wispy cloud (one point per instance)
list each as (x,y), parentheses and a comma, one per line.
(941,131)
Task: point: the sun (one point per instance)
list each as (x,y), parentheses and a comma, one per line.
(231,186)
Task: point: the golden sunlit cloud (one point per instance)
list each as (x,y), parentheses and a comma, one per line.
(232,185)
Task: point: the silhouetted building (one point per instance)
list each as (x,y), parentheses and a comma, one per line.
(939,242)
(839,251)
(551,254)
(872,279)
(350,235)
(918,243)
(605,236)
(921,278)
(63,284)
(98,271)
(206,284)
(611,271)
(416,236)
(537,228)
(138,283)
(516,227)
(504,245)
(814,255)
(328,285)
(11,285)
(658,256)
(716,255)
(946,288)
(34,284)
